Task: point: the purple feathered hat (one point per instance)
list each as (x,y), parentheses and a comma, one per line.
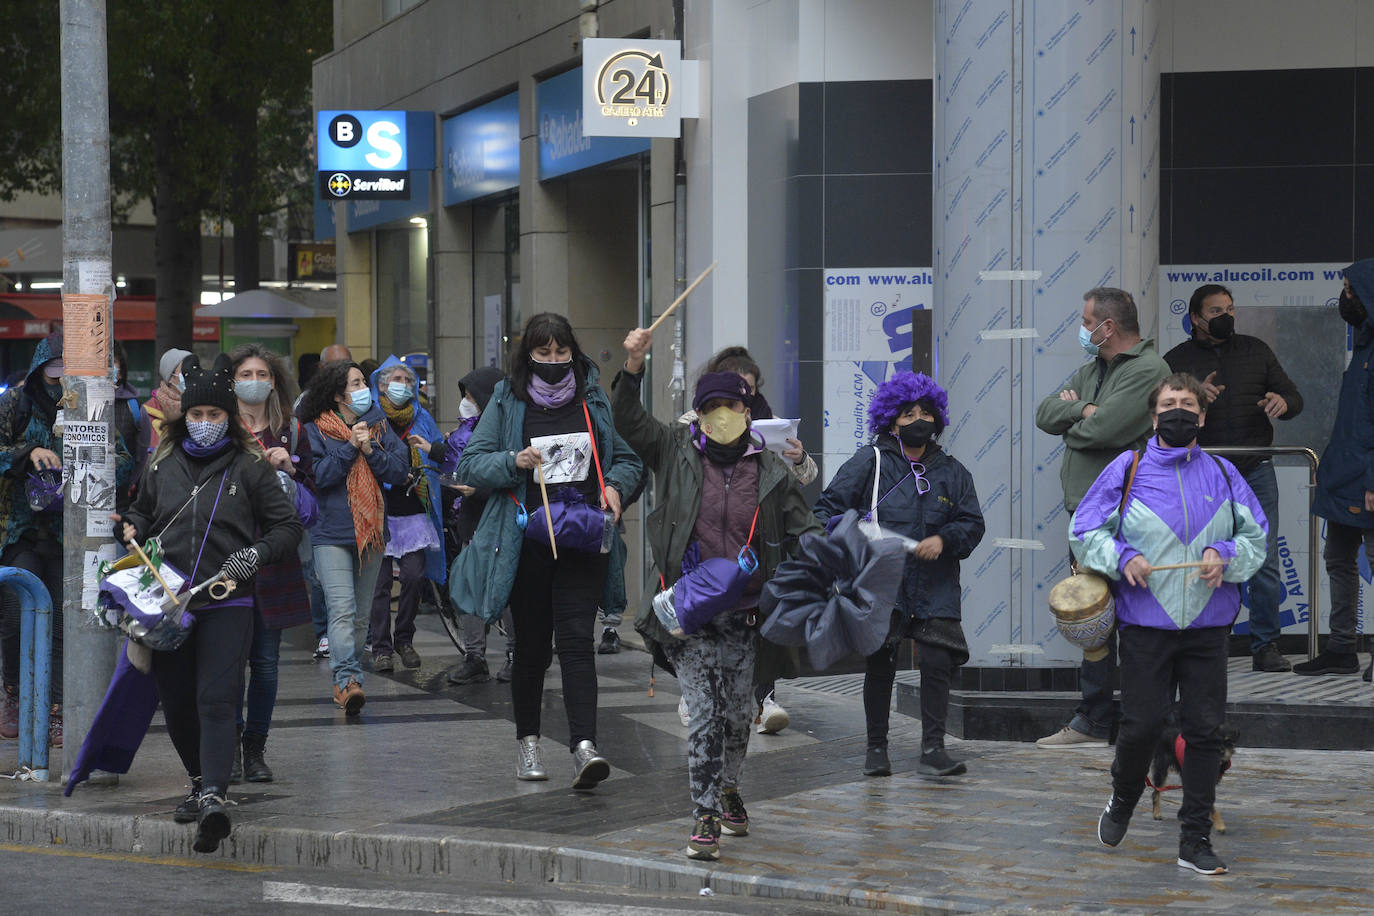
(905,388)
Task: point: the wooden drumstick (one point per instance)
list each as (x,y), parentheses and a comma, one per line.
(680,299)
(548,514)
(138,552)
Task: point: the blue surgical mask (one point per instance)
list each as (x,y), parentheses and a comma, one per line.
(1085,339)
(399,393)
(181,384)
(360,401)
(252,391)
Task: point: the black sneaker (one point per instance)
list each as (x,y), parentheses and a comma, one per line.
(190,805)
(471,670)
(704,840)
(504,675)
(734,820)
(1196,853)
(1328,662)
(610,642)
(1116,817)
(876,762)
(939,763)
(1369,672)
(1269,658)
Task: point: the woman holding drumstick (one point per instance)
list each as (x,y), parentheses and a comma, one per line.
(237,520)
(545,441)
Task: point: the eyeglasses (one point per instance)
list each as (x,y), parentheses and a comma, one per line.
(918,471)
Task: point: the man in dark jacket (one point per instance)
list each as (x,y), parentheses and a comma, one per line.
(1345,481)
(1246,391)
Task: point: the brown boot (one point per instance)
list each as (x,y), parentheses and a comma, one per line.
(349,697)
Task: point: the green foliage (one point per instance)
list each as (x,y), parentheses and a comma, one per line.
(195,85)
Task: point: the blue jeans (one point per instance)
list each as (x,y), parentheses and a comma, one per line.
(1265,588)
(348,585)
(319,611)
(1097,712)
(262,678)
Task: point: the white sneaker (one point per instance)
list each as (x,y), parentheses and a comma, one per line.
(682,715)
(1069,737)
(322,650)
(772,717)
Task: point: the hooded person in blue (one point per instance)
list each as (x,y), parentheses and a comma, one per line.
(413,517)
(31,450)
(1345,480)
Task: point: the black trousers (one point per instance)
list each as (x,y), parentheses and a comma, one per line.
(200,685)
(41,556)
(937,669)
(1152,662)
(555,601)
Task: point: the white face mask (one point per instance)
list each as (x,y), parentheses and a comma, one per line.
(467,409)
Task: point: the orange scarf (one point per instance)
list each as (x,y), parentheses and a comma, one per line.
(364,495)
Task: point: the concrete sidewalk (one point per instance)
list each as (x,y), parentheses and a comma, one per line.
(423,783)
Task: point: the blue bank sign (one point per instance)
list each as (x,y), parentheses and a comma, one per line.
(562,146)
(367,155)
(482,150)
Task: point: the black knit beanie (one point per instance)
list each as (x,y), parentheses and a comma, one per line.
(212,387)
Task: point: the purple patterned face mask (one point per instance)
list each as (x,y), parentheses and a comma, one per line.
(44,491)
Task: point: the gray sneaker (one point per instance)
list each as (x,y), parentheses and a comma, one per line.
(589,767)
(529,763)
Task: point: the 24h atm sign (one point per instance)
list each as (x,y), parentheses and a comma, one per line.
(631,88)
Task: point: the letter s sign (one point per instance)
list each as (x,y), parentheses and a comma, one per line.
(351,141)
(381,137)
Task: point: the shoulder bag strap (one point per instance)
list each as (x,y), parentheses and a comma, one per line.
(596,456)
(877,472)
(1130,479)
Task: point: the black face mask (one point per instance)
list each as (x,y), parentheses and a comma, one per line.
(1352,310)
(916,433)
(1222,326)
(553,373)
(1177,427)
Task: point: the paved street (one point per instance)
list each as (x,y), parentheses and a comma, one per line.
(422,787)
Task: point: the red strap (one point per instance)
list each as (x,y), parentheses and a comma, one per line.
(596,456)
(1179,747)
(752,524)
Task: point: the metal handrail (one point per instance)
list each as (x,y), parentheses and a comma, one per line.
(1292,451)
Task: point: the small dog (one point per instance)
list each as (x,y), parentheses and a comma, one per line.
(1167,759)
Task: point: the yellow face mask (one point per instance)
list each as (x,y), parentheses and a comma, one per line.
(723,425)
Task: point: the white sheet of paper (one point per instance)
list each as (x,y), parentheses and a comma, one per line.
(776,432)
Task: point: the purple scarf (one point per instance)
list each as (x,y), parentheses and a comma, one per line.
(196,450)
(556,395)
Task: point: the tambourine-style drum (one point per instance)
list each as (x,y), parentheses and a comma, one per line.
(1083,609)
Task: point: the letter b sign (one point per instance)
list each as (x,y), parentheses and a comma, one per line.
(362,140)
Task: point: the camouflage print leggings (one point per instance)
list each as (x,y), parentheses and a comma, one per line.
(715,669)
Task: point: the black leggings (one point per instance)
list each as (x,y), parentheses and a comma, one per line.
(937,668)
(43,558)
(555,601)
(200,685)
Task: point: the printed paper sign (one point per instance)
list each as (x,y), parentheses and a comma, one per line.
(567,457)
(86,334)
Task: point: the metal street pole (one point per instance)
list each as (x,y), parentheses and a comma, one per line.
(89,654)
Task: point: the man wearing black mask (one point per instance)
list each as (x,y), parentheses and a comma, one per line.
(1345,481)
(1175,531)
(1246,390)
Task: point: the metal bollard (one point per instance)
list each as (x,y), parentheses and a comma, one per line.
(35,671)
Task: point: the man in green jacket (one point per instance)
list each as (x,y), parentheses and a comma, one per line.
(1103,412)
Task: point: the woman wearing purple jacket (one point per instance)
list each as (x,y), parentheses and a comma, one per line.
(1173,504)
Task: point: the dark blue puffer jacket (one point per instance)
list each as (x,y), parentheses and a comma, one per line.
(950,508)
(1346,470)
